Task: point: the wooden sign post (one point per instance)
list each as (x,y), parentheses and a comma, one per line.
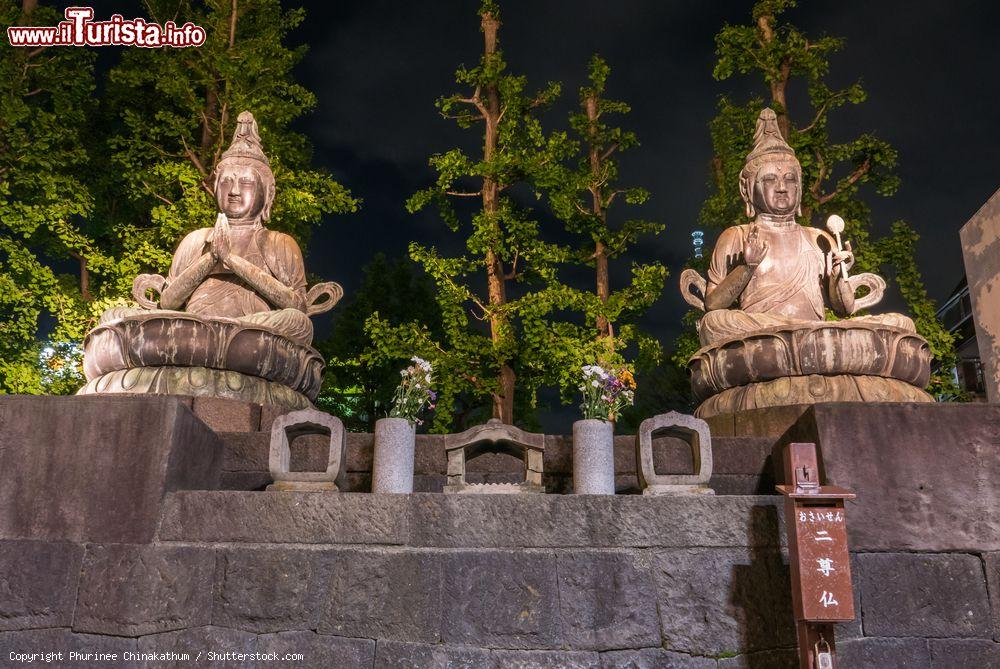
(816,523)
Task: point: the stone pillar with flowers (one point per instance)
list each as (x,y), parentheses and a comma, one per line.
(395,435)
(605,394)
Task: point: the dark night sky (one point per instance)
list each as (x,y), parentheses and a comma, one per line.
(930,68)
(377,66)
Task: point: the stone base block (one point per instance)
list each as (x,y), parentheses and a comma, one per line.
(493,488)
(810,389)
(658,490)
(925,474)
(96,468)
(303,486)
(197,382)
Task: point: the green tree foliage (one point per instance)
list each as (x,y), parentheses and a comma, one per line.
(359,383)
(46,99)
(111,191)
(173,112)
(582,196)
(499,341)
(833,173)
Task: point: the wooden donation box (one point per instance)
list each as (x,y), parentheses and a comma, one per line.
(820,564)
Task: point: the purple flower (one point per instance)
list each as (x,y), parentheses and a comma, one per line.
(433,395)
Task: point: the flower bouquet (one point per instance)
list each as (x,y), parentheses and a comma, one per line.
(605,393)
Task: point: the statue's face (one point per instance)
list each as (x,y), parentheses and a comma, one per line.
(777,190)
(239,192)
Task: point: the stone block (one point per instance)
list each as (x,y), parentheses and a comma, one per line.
(384,594)
(268,412)
(225,415)
(924,473)
(429,456)
(924,595)
(245,481)
(17,647)
(273,517)
(767,422)
(992,561)
(881,653)
(772,659)
(743,455)
(723,601)
(402,655)
(269,590)
(852,630)
(129,590)
(102,464)
(245,451)
(501,599)
(963,653)
(38,582)
(741,484)
(547,659)
(606,601)
(981,251)
(654,658)
(593,521)
(192,641)
(320,651)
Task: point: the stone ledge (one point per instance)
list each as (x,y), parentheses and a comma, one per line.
(457,521)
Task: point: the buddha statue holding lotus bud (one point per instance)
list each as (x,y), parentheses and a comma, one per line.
(765,341)
(232,317)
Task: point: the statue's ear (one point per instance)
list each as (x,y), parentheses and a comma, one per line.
(268,201)
(746,192)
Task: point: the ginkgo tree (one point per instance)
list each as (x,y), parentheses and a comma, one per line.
(495,298)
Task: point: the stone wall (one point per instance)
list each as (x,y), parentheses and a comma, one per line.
(981,252)
(430,580)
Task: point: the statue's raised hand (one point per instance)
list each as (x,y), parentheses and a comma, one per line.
(221,239)
(844,257)
(754,249)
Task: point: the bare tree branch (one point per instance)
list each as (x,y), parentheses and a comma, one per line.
(851,180)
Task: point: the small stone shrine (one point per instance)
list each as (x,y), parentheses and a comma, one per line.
(232,318)
(775,348)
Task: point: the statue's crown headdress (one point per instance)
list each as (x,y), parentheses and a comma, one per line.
(768,144)
(767,138)
(246,148)
(246,140)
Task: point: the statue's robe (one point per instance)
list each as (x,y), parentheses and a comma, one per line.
(223,294)
(787,288)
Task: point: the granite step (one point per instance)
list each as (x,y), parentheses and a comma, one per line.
(471,521)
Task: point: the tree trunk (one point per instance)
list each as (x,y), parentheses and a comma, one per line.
(600,250)
(28,6)
(780,105)
(780,82)
(503,400)
(84,276)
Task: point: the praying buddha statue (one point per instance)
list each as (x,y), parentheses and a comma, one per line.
(764,336)
(233,313)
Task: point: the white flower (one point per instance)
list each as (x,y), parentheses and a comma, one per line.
(595,384)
